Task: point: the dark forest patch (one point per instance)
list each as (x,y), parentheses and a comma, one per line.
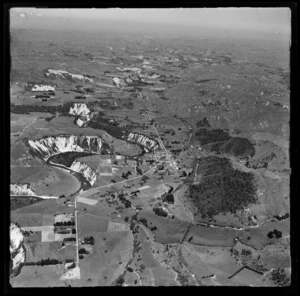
(102,123)
(219,141)
(17,202)
(26,109)
(222,189)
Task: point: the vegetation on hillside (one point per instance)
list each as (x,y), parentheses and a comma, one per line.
(280,278)
(17,202)
(222,188)
(112,128)
(220,141)
(26,109)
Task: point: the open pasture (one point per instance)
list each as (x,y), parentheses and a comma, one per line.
(26,220)
(39,276)
(111,253)
(89,223)
(116,226)
(53,250)
(168,230)
(58,182)
(205,261)
(49,206)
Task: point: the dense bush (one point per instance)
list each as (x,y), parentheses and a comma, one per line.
(64,223)
(203,123)
(69,239)
(89,240)
(279,277)
(99,122)
(210,136)
(160,212)
(275,233)
(222,189)
(83,251)
(44,262)
(221,142)
(25,109)
(169,198)
(125,201)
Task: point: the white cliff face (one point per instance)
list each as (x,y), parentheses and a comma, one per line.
(39,87)
(119,82)
(21,189)
(47,147)
(81,121)
(16,248)
(65,75)
(149,144)
(79,109)
(89,174)
(42,88)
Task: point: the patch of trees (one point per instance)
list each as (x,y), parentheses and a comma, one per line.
(160,212)
(49,118)
(69,239)
(64,223)
(125,201)
(246,252)
(169,198)
(285,216)
(139,170)
(221,142)
(72,265)
(67,158)
(26,109)
(83,251)
(120,281)
(107,105)
(184,281)
(203,123)
(128,105)
(126,175)
(112,128)
(239,147)
(210,136)
(44,262)
(280,278)
(222,189)
(17,202)
(274,234)
(89,240)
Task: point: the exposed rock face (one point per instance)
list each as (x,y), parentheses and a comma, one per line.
(89,174)
(39,87)
(21,189)
(82,121)
(79,109)
(46,147)
(16,247)
(50,73)
(142,140)
(119,82)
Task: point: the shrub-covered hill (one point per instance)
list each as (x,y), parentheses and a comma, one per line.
(222,188)
(220,141)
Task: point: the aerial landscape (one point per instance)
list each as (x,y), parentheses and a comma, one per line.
(148,152)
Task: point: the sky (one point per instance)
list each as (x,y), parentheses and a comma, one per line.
(260,19)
